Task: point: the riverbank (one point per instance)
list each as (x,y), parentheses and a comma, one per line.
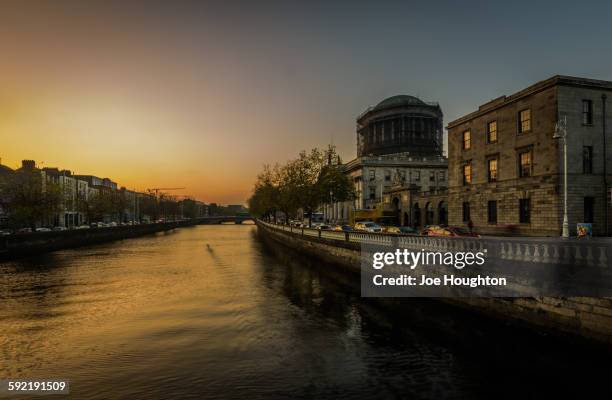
(583,318)
(20,245)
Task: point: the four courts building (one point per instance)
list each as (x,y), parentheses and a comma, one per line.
(505,168)
(399,144)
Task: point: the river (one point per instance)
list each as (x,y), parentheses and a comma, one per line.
(211,312)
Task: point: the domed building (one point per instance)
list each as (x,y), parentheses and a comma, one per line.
(400,124)
(399,155)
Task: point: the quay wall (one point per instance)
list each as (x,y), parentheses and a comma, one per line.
(583,317)
(20,245)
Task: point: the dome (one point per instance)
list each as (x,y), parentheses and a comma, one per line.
(398,101)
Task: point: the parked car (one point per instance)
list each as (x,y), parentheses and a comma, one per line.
(5,233)
(82,227)
(432,230)
(24,230)
(112,224)
(450,231)
(59,228)
(368,226)
(401,230)
(323,227)
(345,228)
(43,229)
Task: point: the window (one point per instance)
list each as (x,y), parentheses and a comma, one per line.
(467,174)
(589,209)
(466,211)
(372,192)
(492,211)
(587,112)
(492,170)
(417,175)
(441,176)
(372,175)
(524,121)
(525,164)
(587,159)
(432,176)
(387,175)
(467,140)
(524,211)
(492,132)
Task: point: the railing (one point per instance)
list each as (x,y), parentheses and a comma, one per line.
(595,252)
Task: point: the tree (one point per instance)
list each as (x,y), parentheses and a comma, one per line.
(335,185)
(118,204)
(306,182)
(168,206)
(147,207)
(30,200)
(99,205)
(189,208)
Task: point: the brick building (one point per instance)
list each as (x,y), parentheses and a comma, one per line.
(506,169)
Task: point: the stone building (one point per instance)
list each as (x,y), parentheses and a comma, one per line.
(400,124)
(506,169)
(5,175)
(417,208)
(398,139)
(74,192)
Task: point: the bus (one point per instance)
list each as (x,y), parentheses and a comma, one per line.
(381,217)
(317,218)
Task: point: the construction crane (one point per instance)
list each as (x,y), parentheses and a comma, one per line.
(156,190)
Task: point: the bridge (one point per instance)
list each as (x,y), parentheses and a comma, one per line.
(219,219)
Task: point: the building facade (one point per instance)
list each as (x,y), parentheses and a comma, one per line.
(372,176)
(5,175)
(74,193)
(506,169)
(399,142)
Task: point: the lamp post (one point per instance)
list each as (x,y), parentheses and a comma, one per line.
(561,133)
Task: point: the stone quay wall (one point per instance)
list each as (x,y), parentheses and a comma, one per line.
(20,245)
(584,317)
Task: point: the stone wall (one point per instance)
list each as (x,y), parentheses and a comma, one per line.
(20,245)
(585,317)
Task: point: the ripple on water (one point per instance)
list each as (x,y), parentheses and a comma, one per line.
(168,316)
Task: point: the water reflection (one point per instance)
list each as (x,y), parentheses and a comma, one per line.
(210,312)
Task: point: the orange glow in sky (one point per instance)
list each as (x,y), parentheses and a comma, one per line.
(201,94)
(108,92)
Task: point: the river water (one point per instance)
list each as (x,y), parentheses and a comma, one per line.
(211,312)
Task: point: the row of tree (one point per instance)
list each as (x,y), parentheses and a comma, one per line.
(28,201)
(302,184)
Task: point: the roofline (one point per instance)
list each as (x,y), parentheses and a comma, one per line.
(365,161)
(557,80)
(369,109)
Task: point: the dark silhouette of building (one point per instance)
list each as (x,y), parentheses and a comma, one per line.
(400,124)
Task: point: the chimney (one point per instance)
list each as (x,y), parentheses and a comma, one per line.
(28,164)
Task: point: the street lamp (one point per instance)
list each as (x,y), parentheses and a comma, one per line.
(561,133)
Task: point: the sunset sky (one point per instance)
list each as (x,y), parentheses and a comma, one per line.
(201,94)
